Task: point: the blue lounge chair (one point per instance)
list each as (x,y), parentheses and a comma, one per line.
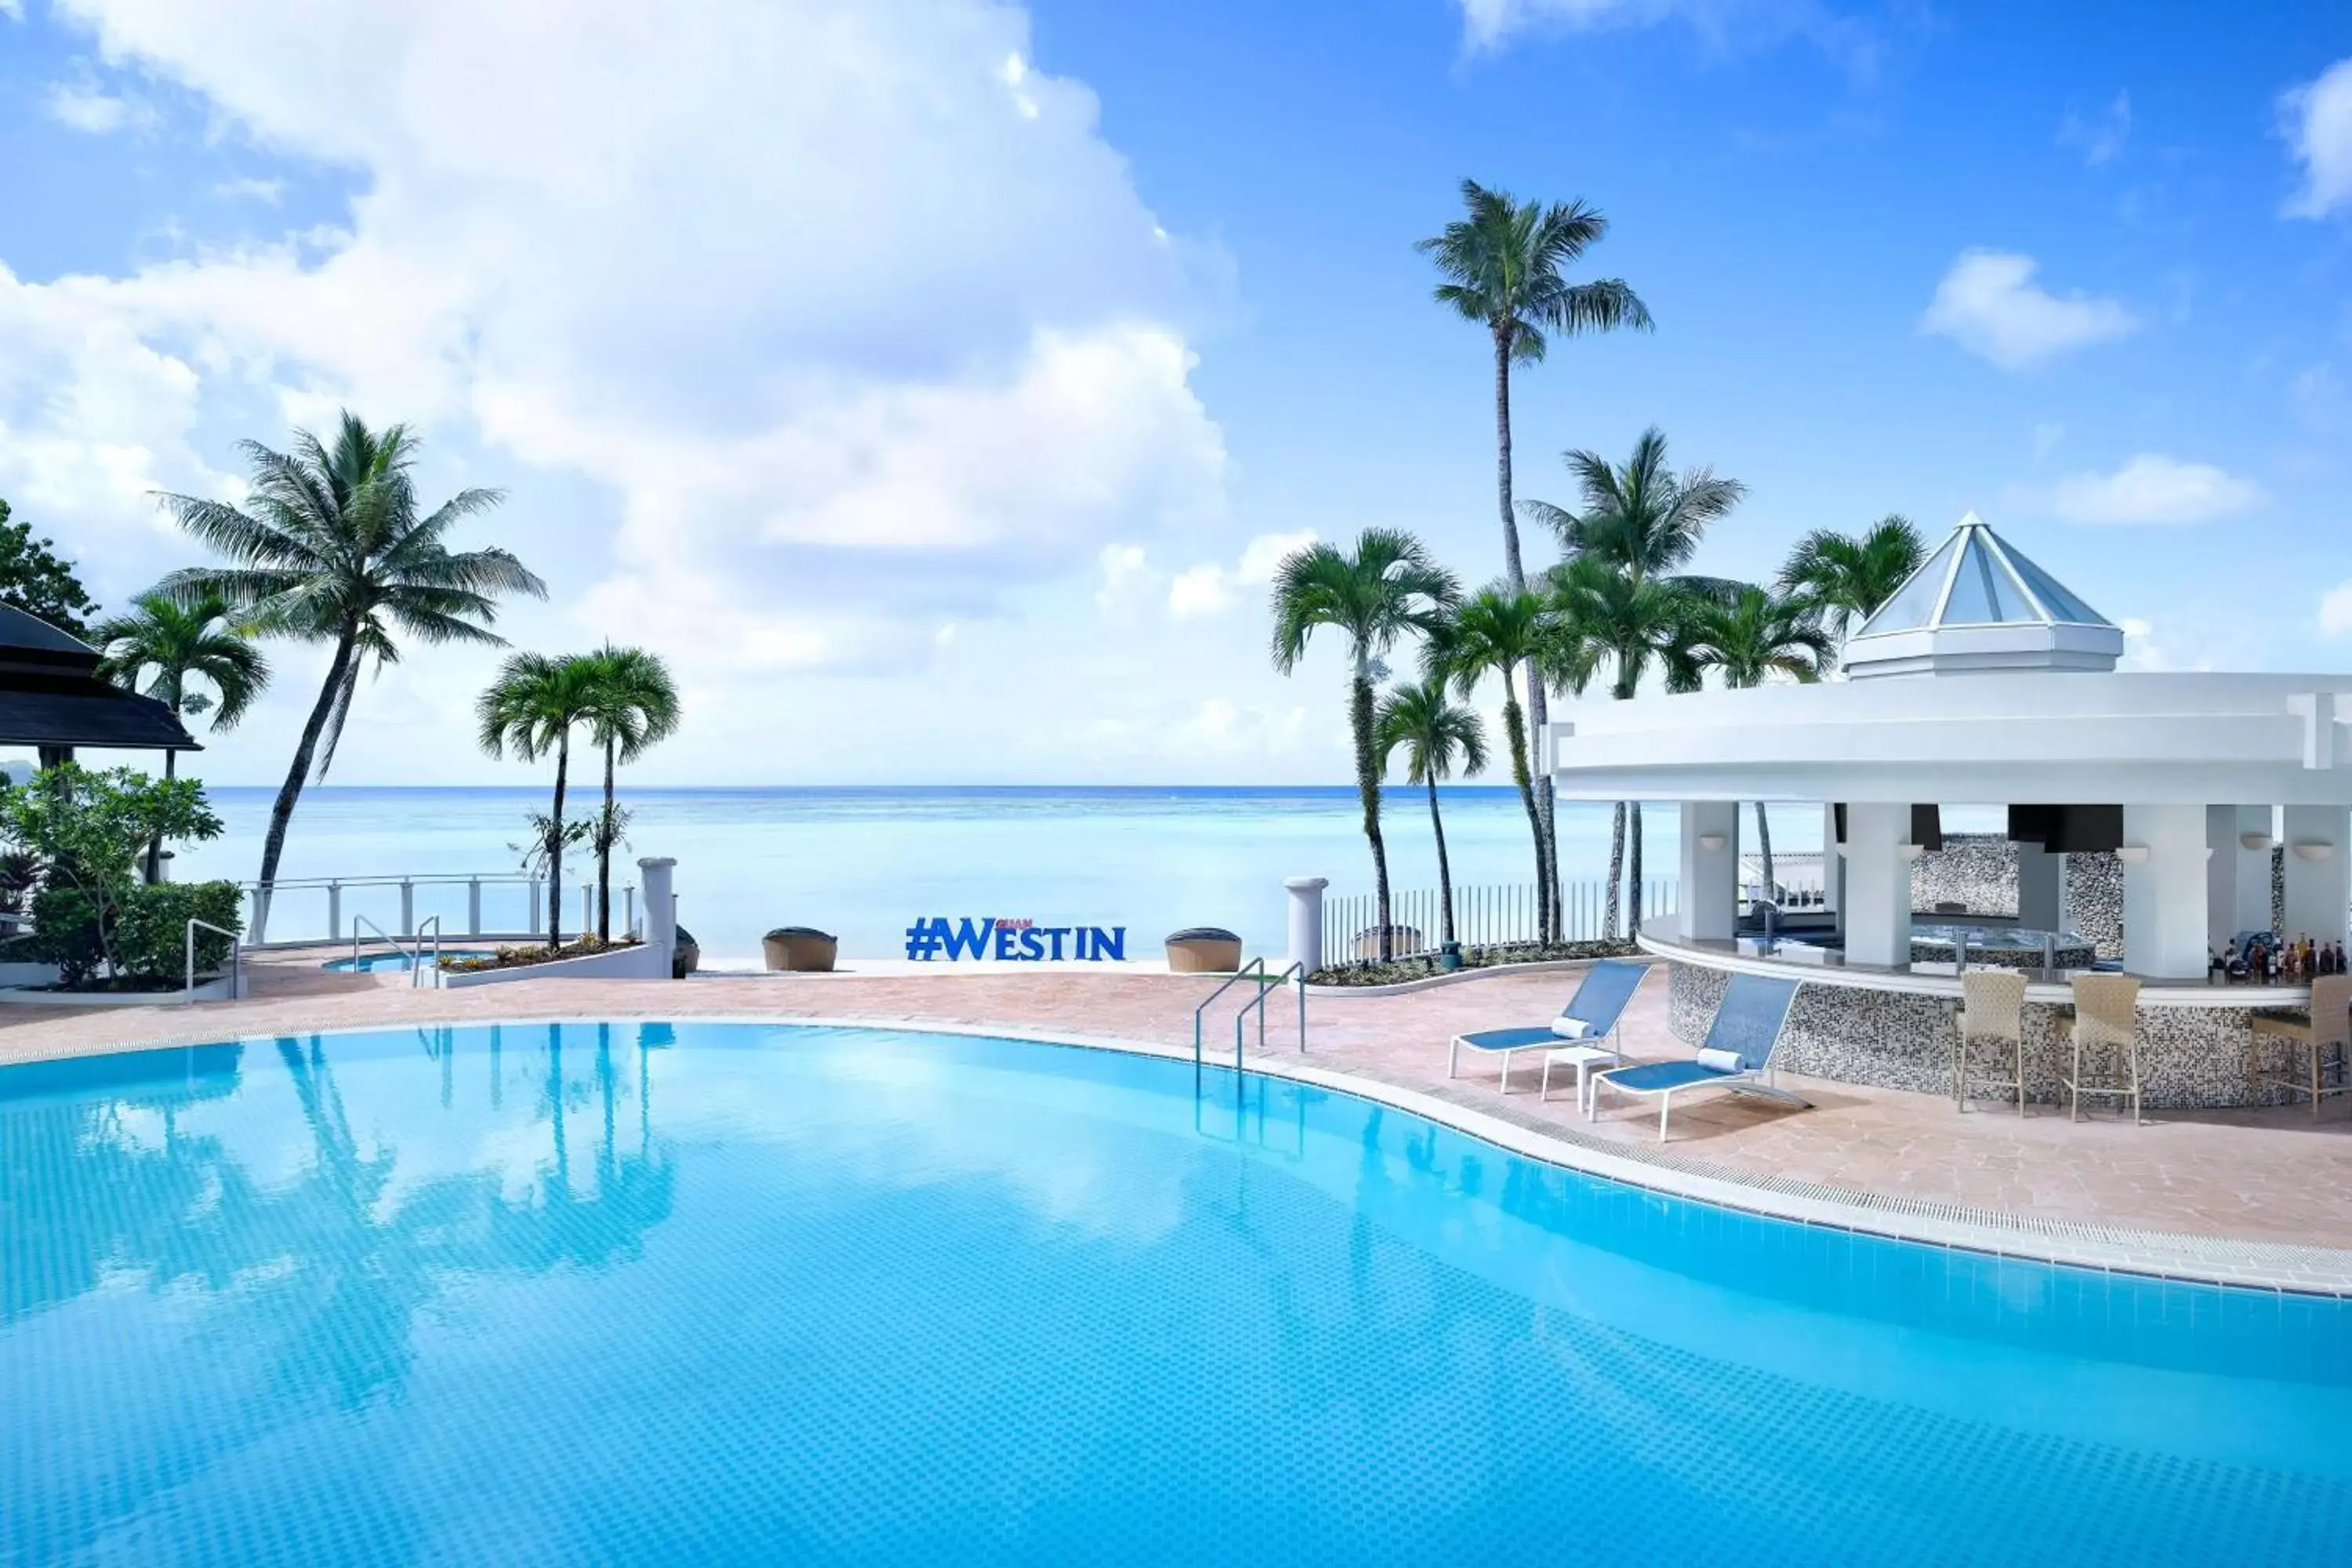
(1737,1055)
(1590,1017)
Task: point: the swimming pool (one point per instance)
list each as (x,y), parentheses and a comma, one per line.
(644,1292)
(398,962)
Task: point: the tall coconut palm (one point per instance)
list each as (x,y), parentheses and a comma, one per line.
(1502,261)
(1753,638)
(1850,576)
(1384,589)
(532,707)
(1437,738)
(1643,521)
(192,656)
(1611,624)
(331,549)
(633,705)
(1500,632)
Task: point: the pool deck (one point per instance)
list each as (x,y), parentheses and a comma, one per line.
(2257,1197)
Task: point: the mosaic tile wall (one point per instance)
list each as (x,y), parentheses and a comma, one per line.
(1980,870)
(2190,1058)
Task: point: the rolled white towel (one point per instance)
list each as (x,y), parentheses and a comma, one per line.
(1720,1061)
(1568,1028)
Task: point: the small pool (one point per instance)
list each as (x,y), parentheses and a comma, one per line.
(643,1292)
(370,963)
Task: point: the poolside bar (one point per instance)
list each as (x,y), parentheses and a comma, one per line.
(2178,812)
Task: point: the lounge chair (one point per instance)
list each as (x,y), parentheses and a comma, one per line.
(1737,1055)
(1589,1018)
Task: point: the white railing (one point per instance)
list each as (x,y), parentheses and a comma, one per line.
(235,962)
(1484,915)
(304,912)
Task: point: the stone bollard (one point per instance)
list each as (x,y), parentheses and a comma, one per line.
(661,909)
(1306,920)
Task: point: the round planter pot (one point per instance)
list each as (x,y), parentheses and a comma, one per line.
(1203,949)
(802,949)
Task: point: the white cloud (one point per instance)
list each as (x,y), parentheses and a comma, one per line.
(2046,436)
(1261,556)
(13,10)
(1989,304)
(2317,121)
(2101,138)
(2156,490)
(85,106)
(2335,610)
(1224,727)
(248,189)
(1857,43)
(2320,399)
(1200,593)
(1124,573)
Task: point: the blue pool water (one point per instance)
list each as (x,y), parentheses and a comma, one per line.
(398,962)
(653,1293)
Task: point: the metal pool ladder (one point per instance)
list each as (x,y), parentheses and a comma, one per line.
(235,962)
(1254,970)
(415,958)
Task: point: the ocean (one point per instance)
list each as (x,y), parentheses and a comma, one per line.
(864,863)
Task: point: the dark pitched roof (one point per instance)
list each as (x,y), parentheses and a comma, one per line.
(50,695)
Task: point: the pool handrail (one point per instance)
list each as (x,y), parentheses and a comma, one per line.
(416,959)
(1267,987)
(1254,967)
(236,961)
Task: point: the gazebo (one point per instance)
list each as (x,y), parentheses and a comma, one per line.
(52,699)
(1983,681)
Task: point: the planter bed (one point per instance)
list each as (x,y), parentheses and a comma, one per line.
(578,961)
(1424,965)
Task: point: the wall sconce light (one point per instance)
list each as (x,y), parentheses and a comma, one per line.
(1910,851)
(2133,854)
(2313,849)
(1712,841)
(2255,841)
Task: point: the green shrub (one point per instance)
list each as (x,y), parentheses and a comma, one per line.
(65,932)
(151,934)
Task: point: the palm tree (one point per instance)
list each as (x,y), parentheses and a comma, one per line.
(1437,737)
(1612,623)
(633,705)
(1849,577)
(533,706)
(1644,521)
(1372,595)
(1501,632)
(166,643)
(1757,636)
(332,549)
(1502,261)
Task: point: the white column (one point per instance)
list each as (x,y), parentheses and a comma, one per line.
(2164,891)
(2237,879)
(2040,889)
(1877,909)
(1710,893)
(661,909)
(2316,889)
(1307,920)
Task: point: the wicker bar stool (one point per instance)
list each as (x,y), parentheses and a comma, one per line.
(1992,1008)
(2103,1037)
(2288,1039)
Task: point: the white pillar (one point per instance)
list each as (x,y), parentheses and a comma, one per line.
(661,907)
(1710,891)
(1877,908)
(1307,920)
(2040,889)
(2237,878)
(2164,891)
(2317,891)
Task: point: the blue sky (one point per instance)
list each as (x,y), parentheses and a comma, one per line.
(934,381)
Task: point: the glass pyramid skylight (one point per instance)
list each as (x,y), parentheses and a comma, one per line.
(1976,604)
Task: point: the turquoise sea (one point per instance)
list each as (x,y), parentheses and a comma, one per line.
(865,862)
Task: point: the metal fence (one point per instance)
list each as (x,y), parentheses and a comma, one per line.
(1486,915)
(499,906)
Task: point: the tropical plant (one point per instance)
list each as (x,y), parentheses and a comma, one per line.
(36,579)
(151,937)
(1502,632)
(1644,521)
(1848,577)
(166,643)
(632,705)
(1384,589)
(1757,636)
(1502,261)
(20,873)
(1437,737)
(87,829)
(531,708)
(331,549)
